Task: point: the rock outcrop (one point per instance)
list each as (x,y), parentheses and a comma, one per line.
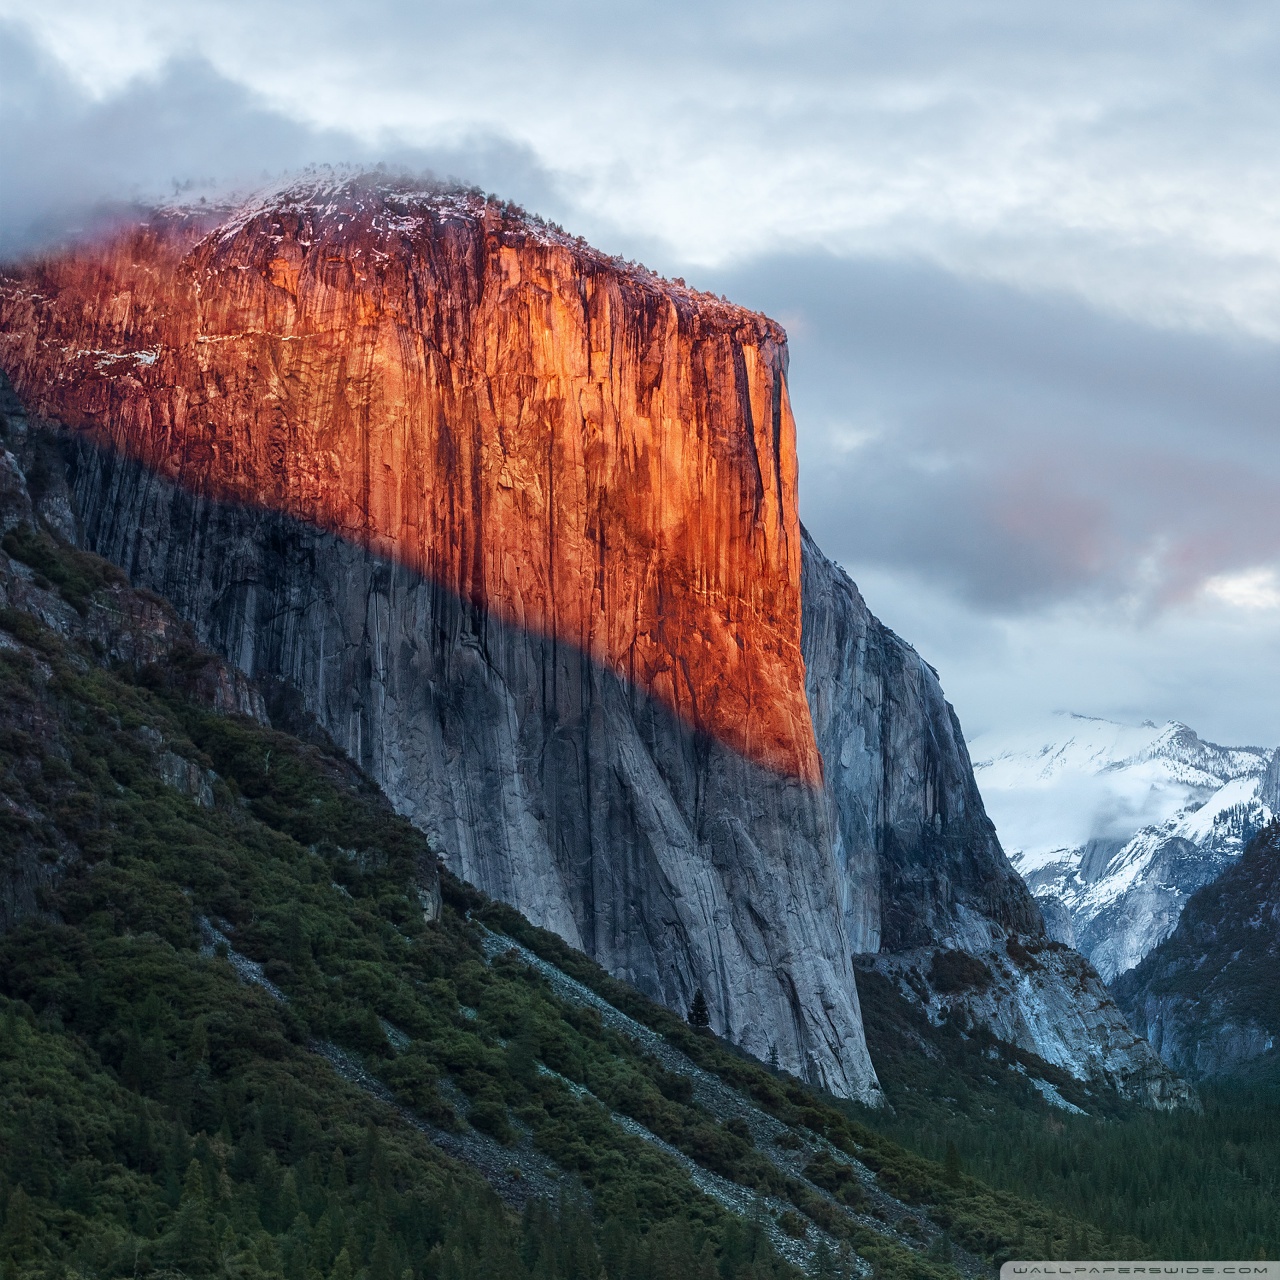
(581,450)
(517,524)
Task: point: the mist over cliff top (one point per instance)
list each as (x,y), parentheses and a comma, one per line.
(1026,261)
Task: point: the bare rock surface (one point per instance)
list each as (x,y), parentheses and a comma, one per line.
(923,874)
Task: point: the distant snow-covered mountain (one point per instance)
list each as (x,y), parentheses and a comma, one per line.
(1114,826)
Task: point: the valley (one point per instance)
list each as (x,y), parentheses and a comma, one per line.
(418,695)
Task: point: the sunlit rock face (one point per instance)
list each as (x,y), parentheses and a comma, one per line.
(518,524)
(583,450)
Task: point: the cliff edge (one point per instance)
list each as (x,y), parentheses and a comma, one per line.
(517,524)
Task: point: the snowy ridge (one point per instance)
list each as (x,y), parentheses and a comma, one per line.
(1113,826)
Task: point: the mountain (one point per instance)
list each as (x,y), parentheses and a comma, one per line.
(1114,826)
(516,524)
(1207,997)
(250,1028)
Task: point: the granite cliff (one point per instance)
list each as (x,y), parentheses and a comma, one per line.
(929,899)
(517,524)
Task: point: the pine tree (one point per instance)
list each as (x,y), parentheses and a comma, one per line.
(192,1239)
(951,1163)
(19,1225)
(341,1267)
(337,1171)
(699,1015)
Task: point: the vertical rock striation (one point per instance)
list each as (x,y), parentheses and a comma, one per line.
(580,449)
(922,864)
(518,523)
(923,874)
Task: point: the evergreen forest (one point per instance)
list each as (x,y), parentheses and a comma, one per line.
(248,1029)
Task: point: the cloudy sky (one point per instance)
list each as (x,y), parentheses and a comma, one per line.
(1028,256)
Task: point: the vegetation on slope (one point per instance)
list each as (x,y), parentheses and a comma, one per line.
(1214,977)
(1177,1185)
(157,1113)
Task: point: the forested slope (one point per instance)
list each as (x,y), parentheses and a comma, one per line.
(246,1030)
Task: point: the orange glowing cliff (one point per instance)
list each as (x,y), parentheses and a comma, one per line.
(587,451)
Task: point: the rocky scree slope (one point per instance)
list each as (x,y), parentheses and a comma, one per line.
(1115,826)
(516,524)
(1207,997)
(251,1029)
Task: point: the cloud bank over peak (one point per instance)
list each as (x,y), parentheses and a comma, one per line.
(72,158)
(1075,149)
(1029,258)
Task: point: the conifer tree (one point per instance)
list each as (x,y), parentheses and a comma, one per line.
(193,1242)
(951,1163)
(341,1267)
(699,1015)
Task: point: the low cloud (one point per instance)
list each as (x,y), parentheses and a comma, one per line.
(71,159)
(1254,589)
(1020,450)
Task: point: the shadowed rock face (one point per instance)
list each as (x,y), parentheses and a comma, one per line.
(923,873)
(517,523)
(922,864)
(541,776)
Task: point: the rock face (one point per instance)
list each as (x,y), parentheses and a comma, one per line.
(517,524)
(581,450)
(925,880)
(922,863)
(1207,997)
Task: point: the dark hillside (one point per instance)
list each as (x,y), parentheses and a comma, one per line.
(1209,996)
(246,1029)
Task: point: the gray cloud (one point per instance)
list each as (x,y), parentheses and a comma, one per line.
(70,160)
(1019,449)
(1078,147)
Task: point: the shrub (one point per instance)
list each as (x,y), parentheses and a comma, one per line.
(952,971)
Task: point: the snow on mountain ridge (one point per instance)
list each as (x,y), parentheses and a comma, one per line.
(1113,826)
